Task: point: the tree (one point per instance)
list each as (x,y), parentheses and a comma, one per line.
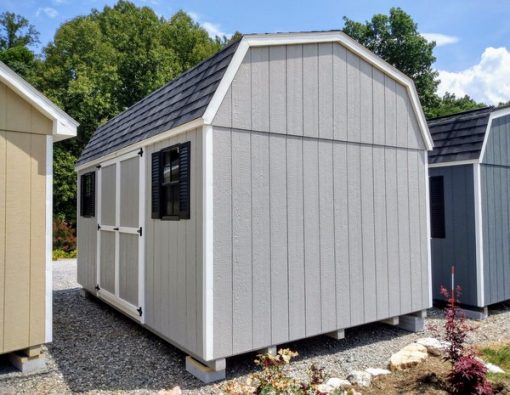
(16,35)
(102,63)
(450,104)
(395,38)
(64,184)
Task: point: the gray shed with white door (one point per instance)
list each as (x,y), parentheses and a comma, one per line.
(274,192)
(469,172)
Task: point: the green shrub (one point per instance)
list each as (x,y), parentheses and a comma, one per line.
(61,254)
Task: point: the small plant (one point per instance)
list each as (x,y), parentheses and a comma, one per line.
(456,328)
(469,376)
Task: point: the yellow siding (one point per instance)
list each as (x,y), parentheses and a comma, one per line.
(18,115)
(22,241)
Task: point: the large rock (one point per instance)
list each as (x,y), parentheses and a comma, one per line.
(336,383)
(434,346)
(359,377)
(374,372)
(409,356)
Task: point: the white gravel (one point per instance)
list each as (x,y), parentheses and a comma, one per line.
(97,350)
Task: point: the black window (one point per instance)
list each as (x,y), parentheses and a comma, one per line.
(170,182)
(437,225)
(88,195)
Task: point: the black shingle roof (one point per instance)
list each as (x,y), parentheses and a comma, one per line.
(460,136)
(181,100)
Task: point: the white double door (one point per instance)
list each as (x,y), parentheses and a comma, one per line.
(120,234)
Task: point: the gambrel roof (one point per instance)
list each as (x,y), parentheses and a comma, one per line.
(193,98)
(458,137)
(461,138)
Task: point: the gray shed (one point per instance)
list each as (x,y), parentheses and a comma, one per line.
(469,172)
(274,192)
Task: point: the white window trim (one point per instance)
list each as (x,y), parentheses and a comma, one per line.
(49,241)
(306,38)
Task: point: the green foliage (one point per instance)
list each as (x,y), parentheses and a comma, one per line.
(395,38)
(61,254)
(102,63)
(450,104)
(16,35)
(498,355)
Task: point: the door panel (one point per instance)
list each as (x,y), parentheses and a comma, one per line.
(129,185)
(107,257)
(128,268)
(108,195)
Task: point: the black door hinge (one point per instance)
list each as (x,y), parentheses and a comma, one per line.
(97,287)
(98,227)
(140,231)
(140,152)
(98,166)
(140,312)
(116,228)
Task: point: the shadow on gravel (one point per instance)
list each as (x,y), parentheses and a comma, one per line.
(97,348)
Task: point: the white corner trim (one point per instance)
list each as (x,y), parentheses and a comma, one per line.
(141,239)
(454,163)
(479,236)
(494,114)
(429,239)
(63,125)
(208,246)
(258,40)
(186,127)
(48,332)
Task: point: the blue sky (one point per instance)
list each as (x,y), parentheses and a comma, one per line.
(473,57)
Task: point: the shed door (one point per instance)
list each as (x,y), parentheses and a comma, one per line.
(120,243)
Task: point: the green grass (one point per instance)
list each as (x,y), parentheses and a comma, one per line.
(500,356)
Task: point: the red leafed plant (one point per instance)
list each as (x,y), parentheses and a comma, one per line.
(469,376)
(64,237)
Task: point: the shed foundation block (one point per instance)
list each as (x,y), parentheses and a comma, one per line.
(28,360)
(268,350)
(339,334)
(213,371)
(474,313)
(85,294)
(412,322)
(393,321)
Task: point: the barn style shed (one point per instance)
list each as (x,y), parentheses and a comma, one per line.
(274,192)
(469,172)
(29,124)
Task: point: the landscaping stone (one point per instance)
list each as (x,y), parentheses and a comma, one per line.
(493,368)
(359,377)
(374,372)
(411,355)
(434,346)
(336,383)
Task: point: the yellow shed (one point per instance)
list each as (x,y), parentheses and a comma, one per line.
(29,124)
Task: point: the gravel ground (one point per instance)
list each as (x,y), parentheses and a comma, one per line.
(97,350)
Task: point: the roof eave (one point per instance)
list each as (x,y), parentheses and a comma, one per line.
(64,126)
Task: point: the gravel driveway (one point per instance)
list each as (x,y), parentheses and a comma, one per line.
(97,350)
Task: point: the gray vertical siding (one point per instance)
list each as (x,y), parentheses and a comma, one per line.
(129,192)
(173,259)
(312,224)
(319,90)
(495,177)
(87,243)
(128,268)
(319,198)
(459,245)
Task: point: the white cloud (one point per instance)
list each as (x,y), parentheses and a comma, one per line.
(59,2)
(440,39)
(213,29)
(48,11)
(488,81)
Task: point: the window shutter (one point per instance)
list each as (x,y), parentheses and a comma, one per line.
(82,195)
(92,198)
(156,189)
(184,180)
(437,217)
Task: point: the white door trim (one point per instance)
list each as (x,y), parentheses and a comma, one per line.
(114,298)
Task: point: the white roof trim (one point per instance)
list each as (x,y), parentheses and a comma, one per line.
(63,125)
(455,163)
(496,113)
(257,40)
